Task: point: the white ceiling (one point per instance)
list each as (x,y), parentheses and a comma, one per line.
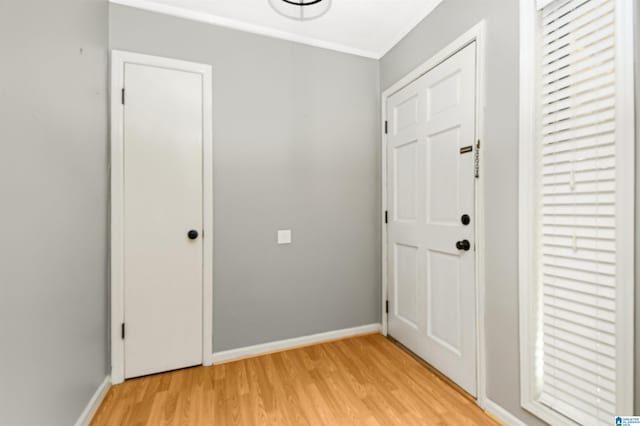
(360,27)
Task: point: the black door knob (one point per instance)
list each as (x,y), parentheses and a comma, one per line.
(193,234)
(465,219)
(463,245)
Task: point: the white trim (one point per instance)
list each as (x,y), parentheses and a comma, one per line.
(526,232)
(94,403)
(208,217)
(625,132)
(118,59)
(480,38)
(280,345)
(192,15)
(476,34)
(383,222)
(502,414)
(625,202)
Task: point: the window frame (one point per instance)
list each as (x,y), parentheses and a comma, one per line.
(529,288)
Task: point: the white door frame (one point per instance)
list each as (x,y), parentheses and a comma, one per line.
(118,61)
(477,35)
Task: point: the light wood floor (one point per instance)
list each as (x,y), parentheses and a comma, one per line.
(365,380)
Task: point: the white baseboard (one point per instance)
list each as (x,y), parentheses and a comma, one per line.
(500,413)
(280,345)
(94,403)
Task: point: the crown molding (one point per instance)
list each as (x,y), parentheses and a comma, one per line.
(184,13)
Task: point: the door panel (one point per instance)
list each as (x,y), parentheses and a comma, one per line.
(406,114)
(406,193)
(443,299)
(162,202)
(406,259)
(431,185)
(443,192)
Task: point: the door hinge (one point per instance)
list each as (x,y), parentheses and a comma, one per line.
(386,307)
(122,96)
(386,127)
(122,331)
(476,160)
(386,216)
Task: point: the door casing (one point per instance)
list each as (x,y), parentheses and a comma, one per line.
(118,61)
(476,34)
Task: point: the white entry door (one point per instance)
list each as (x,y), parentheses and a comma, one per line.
(430,163)
(163,218)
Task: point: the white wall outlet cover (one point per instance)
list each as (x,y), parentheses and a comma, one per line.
(284,236)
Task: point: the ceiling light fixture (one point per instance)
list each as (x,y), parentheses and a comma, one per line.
(301,10)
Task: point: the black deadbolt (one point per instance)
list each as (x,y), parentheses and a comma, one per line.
(463,245)
(193,234)
(465,219)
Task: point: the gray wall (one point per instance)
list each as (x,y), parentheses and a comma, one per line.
(499,169)
(53,187)
(296,146)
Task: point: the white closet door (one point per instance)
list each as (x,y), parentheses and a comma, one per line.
(163,140)
(430,180)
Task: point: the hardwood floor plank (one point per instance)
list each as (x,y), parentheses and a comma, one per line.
(366,380)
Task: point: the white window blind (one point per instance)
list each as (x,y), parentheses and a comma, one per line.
(577,209)
(543,3)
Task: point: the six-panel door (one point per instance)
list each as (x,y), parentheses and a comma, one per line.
(430,187)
